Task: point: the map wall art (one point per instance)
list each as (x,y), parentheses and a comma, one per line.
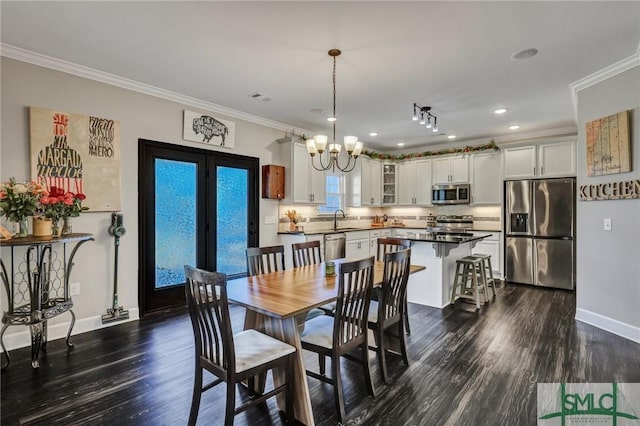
(608,145)
(78,153)
(204,128)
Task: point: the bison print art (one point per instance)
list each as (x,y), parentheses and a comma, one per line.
(210,127)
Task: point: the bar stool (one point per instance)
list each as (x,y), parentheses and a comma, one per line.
(466,284)
(490,282)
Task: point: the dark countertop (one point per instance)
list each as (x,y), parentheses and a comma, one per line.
(429,237)
(341,230)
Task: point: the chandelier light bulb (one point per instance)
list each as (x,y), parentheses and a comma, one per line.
(311,147)
(358,149)
(321,142)
(350,143)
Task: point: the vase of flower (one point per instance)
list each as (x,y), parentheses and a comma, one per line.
(23,229)
(67,227)
(56,228)
(18,201)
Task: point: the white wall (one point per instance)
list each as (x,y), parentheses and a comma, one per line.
(608,263)
(140,116)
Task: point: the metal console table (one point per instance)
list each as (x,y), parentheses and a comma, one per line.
(37,286)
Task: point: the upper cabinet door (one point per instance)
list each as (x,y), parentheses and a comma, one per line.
(300,182)
(423,183)
(451,170)
(520,162)
(406,183)
(557,159)
(485,178)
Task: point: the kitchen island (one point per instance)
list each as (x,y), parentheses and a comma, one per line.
(438,253)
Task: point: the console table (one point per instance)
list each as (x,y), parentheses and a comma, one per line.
(37,285)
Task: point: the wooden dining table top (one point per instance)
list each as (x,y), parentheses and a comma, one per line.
(293,291)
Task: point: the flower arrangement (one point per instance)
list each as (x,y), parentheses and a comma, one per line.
(293,216)
(57,204)
(19,200)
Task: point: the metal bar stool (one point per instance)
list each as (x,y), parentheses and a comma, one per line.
(488,272)
(465,283)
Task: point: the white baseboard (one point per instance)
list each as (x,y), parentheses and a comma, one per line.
(59,331)
(609,324)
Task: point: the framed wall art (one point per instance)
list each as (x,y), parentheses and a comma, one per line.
(78,153)
(609,145)
(204,128)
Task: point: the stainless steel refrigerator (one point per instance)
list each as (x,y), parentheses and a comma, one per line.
(540,232)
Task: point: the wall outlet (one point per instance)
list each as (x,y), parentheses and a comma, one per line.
(417,217)
(74,289)
(308,219)
(606,225)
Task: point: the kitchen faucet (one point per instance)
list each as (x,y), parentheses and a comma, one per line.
(335,218)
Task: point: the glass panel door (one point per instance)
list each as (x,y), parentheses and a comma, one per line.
(196,207)
(176,215)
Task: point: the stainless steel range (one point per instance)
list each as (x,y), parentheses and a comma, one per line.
(452,224)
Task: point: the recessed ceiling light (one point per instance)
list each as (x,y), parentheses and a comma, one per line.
(331,119)
(514,127)
(373,134)
(524,54)
(500,111)
(451,136)
(400,143)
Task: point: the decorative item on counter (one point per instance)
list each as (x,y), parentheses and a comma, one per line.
(377,222)
(431,220)
(18,201)
(397,222)
(294,217)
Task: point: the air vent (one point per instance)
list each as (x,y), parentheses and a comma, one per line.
(261,97)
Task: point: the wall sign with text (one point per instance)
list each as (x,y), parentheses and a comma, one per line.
(608,145)
(78,153)
(623,190)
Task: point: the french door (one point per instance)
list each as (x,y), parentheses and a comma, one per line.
(196,207)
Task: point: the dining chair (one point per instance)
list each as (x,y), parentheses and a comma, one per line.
(231,358)
(388,311)
(334,337)
(305,254)
(262,260)
(387,245)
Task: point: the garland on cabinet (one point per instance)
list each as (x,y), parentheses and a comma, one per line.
(463,150)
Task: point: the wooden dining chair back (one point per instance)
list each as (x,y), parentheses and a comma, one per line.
(305,254)
(231,358)
(336,336)
(262,260)
(388,311)
(389,245)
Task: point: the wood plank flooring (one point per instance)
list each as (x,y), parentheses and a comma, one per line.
(466,368)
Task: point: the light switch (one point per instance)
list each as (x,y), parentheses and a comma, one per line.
(607,224)
(269,220)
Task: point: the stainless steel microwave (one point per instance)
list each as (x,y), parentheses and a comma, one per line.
(451,194)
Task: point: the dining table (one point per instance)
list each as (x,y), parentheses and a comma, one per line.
(277,303)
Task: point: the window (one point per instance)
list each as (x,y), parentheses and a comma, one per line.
(334,186)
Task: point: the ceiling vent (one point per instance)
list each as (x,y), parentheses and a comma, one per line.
(260,97)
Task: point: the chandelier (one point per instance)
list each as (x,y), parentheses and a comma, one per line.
(318,144)
(423,113)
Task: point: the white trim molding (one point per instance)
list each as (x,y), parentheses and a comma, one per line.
(611,325)
(22,339)
(23,55)
(604,74)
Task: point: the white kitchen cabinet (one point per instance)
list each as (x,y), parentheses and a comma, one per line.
(365,183)
(451,169)
(389,187)
(492,246)
(303,183)
(556,159)
(357,244)
(486,178)
(414,183)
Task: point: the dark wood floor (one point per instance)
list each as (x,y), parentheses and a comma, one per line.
(466,368)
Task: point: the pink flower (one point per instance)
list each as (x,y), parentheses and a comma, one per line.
(68,201)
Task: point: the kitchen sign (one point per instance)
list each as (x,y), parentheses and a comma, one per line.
(622,190)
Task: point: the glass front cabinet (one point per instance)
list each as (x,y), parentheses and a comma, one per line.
(389,187)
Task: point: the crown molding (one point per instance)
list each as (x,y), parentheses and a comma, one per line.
(604,74)
(34,58)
